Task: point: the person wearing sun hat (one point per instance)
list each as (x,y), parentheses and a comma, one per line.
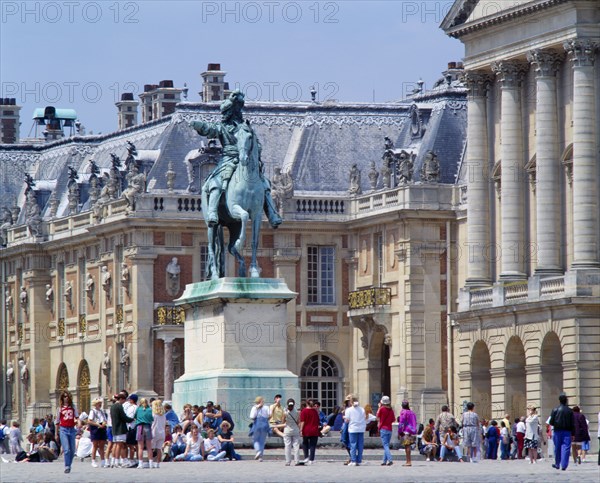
(385,418)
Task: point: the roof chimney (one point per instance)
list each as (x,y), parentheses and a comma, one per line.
(9,120)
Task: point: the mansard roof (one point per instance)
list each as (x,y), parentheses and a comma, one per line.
(316,143)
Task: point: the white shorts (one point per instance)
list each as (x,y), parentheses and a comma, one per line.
(119,438)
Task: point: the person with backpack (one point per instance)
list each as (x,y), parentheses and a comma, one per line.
(4,433)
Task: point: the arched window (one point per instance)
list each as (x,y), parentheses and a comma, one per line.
(320,380)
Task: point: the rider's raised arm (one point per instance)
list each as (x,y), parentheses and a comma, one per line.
(208,129)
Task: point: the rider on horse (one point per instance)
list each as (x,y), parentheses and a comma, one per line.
(225,131)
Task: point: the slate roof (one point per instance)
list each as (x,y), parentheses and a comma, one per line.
(316,143)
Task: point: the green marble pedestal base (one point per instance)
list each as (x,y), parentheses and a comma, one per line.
(236,335)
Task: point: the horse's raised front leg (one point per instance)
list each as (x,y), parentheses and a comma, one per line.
(238,213)
(254,268)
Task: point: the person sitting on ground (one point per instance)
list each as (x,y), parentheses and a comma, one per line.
(225,416)
(211,415)
(451,443)
(429,445)
(226,439)
(186,418)
(170,416)
(179,442)
(33,456)
(212,447)
(338,421)
(166,447)
(276,419)
(194,449)
(48,449)
(371,421)
(325,428)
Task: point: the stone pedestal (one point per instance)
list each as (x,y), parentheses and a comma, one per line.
(236,336)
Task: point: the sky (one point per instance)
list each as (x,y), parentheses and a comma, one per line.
(83,54)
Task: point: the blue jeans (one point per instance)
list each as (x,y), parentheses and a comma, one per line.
(386,436)
(177,449)
(562,447)
(67,441)
(445,450)
(357,441)
(504,450)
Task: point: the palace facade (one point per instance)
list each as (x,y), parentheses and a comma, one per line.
(435,260)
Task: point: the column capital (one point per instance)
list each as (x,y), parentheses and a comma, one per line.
(581,52)
(545,62)
(477,82)
(509,72)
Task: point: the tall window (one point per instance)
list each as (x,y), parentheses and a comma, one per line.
(320,380)
(60,270)
(118,274)
(379,241)
(82,286)
(321,275)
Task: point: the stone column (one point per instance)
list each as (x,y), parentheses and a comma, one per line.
(478,206)
(168,375)
(585,169)
(548,166)
(509,74)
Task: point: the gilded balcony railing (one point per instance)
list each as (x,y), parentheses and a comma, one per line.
(169,315)
(371,297)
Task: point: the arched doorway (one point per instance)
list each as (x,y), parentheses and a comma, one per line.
(481,380)
(552,373)
(62,380)
(515,385)
(320,379)
(83,387)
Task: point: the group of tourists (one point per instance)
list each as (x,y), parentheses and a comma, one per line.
(205,433)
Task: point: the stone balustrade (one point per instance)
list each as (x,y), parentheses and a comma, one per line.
(535,289)
(303,206)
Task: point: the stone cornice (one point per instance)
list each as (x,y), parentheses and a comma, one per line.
(545,62)
(516,12)
(582,52)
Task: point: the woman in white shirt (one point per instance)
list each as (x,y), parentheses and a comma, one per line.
(194,449)
(212,447)
(260,415)
(532,438)
(357,424)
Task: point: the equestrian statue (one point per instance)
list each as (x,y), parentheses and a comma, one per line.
(237,191)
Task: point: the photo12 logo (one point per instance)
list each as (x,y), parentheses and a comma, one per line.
(270,12)
(71,92)
(71,12)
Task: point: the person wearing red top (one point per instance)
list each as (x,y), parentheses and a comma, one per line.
(386,417)
(67,419)
(309,428)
